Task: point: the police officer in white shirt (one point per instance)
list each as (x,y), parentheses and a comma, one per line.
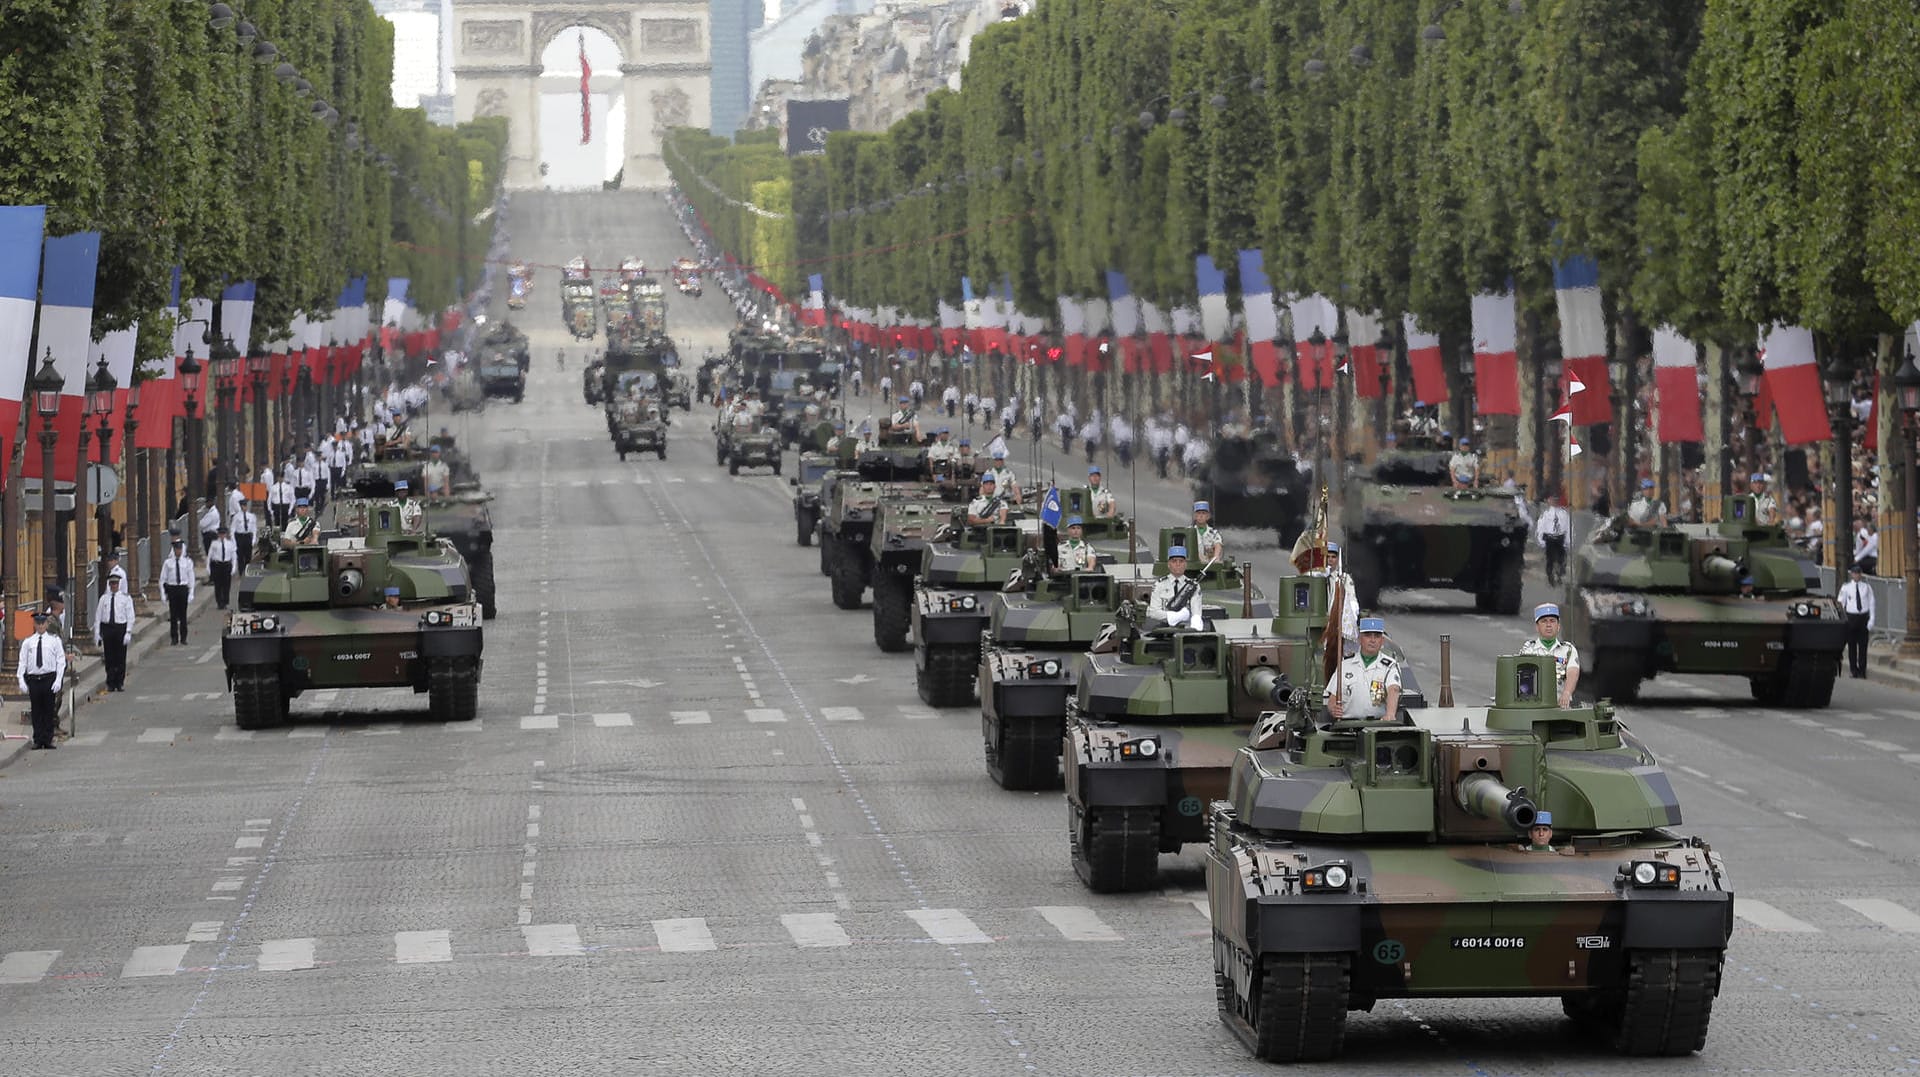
(234,500)
(209,523)
(1856,605)
(1546,640)
(223,564)
(1551,532)
(42,670)
(113,630)
(280,498)
(177,582)
(244,526)
(1366,685)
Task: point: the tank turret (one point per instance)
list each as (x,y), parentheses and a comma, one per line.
(1482,795)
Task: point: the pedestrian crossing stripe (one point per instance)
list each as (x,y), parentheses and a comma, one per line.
(1078,924)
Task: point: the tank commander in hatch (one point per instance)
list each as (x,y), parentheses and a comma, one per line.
(1547,641)
(989,507)
(1366,685)
(1540,834)
(303,529)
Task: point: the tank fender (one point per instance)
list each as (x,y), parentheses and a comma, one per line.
(451,643)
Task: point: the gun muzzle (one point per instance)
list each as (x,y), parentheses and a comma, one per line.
(1267,684)
(1484,795)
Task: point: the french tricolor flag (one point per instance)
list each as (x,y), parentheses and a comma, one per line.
(1676,386)
(1496,367)
(236,315)
(1423,356)
(1363,350)
(1583,335)
(1126,319)
(953,323)
(66,331)
(1310,314)
(1073,326)
(21,230)
(159,397)
(1215,321)
(1159,341)
(1095,313)
(1263,321)
(815,312)
(1792,384)
(117,349)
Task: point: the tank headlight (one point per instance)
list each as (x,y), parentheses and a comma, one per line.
(1652,874)
(1327,878)
(1144,748)
(268,624)
(1051,667)
(1336,877)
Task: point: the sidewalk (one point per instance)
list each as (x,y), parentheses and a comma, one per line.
(1886,665)
(90,675)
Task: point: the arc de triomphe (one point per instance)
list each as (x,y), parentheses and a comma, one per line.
(665,74)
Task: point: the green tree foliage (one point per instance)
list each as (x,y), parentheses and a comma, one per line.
(137,119)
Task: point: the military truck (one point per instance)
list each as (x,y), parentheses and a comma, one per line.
(578,308)
(1352,861)
(640,426)
(317,616)
(592,380)
(846,527)
(460,516)
(500,375)
(1027,658)
(1667,599)
(1407,526)
(1252,481)
(816,470)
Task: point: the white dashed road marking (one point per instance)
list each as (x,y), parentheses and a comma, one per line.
(815,929)
(1885,913)
(422,947)
(949,926)
(1767,918)
(683,936)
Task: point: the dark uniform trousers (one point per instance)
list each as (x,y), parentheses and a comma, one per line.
(243,546)
(45,705)
(220,574)
(113,652)
(1556,556)
(1857,644)
(177,611)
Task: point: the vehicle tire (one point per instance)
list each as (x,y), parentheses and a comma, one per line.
(480,582)
(623,455)
(258,702)
(1022,758)
(662,450)
(1505,600)
(453,688)
(1299,1007)
(848,586)
(1668,1002)
(892,611)
(826,555)
(1115,850)
(776,465)
(802,528)
(733,467)
(948,677)
(1616,676)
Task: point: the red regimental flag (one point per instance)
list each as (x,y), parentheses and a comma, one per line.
(586,94)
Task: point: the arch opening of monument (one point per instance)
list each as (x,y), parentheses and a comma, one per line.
(573,154)
(659,81)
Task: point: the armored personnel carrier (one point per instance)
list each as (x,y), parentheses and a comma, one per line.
(1407,526)
(738,447)
(460,516)
(1352,861)
(320,616)
(640,426)
(1032,640)
(815,471)
(846,525)
(1254,482)
(1650,600)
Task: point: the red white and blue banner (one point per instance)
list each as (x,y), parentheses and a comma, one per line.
(1793,384)
(1126,320)
(1215,319)
(66,331)
(1423,356)
(21,230)
(1496,366)
(1095,315)
(1263,321)
(1311,314)
(159,396)
(1364,356)
(814,312)
(236,315)
(1583,337)
(1676,386)
(1159,342)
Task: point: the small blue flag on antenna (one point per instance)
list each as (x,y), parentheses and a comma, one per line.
(1050,508)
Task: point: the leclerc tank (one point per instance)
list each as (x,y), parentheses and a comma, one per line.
(319,616)
(1359,860)
(1651,600)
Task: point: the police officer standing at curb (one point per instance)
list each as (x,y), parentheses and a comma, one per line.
(223,562)
(43,666)
(113,629)
(1366,685)
(177,583)
(1856,605)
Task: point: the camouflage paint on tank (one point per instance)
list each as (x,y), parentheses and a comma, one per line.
(1424,817)
(1406,526)
(1650,600)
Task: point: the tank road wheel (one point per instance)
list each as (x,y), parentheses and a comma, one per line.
(480,580)
(1668,1002)
(1808,681)
(826,555)
(1023,758)
(1300,1007)
(1616,676)
(848,587)
(892,611)
(1506,587)
(453,688)
(949,676)
(1115,849)
(258,702)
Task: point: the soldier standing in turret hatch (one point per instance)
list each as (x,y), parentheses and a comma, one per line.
(1074,555)
(1366,685)
(1173,594)
(1547,641)
(1206,537)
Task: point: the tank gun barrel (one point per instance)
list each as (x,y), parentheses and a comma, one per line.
(1720,571)
(1267,684)
(1484,795)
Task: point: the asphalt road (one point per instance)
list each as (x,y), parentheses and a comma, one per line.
(703,826)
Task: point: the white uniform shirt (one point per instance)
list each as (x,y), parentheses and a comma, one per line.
(280,493)
(1363,685)
(1160,602)
(1205,540)
(234,498)
(1075,555)
(983,507)
(243,523)
(1565,656)
(1857,597)
(1103,502)
(210,519)
(1554,521)
(178,570)
(115,608)
(223,550)
(435,475)
(42,652)
(1463,466)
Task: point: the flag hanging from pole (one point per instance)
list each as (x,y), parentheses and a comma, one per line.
(1423,356)
(1583,334)
(1793,384)
(586,93)
(22,230)
(1496,370)
(1676,383)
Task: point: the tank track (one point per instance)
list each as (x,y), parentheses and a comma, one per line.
(1115,849)
(946,678)
(453,688)
(258,702)
(1298,1012)
(892,611)
(1025,757)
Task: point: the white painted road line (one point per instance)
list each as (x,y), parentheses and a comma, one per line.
(228,733)
(841,714)
(159,735)
(607,721)
(26,966)
(916,714)
(286,955)
(422,947)
(153,961)
(249,841)
(1767,918)
(684,936)
(551,940)
(540,721)
(1077,923)
(1846,732)
(948,926)
(1885,913)
(692,718)
(205,930)
(208,656)
(815,929)
(766,714)
(307,731)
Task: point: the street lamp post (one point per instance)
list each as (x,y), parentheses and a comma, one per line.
(1318,415)
(226,370)
(1342,361)
(1837,380)
(191,371)
(1747,374)
(136,484)
(47,384)
(100,389)
(1906,387)
(258,363)
(1551,465)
